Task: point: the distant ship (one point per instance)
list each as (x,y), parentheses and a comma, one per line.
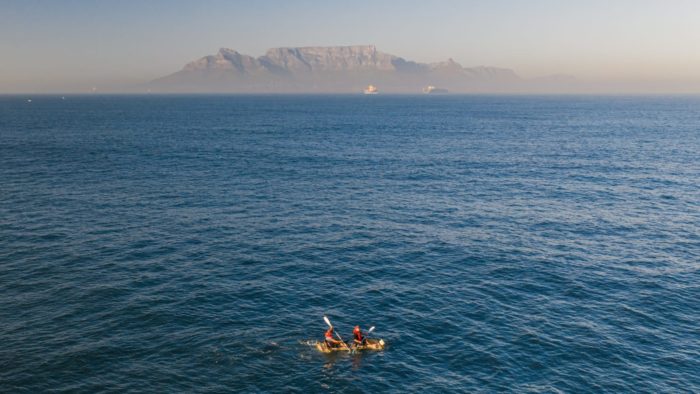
(371,89)
(433,90)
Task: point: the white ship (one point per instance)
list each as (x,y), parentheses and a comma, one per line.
(371,89)
(433,90)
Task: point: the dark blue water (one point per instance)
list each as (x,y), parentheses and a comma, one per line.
(193,244)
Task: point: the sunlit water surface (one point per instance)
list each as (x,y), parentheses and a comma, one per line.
(193,243)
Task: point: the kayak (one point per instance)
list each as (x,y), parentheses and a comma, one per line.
(370,344)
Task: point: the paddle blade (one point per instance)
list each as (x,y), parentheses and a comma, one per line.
(370,329)
(327,321)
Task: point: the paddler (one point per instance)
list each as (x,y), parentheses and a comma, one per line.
(330,341)
(358,336)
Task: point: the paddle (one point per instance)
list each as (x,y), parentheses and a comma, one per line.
(327,321)
(336,332)
(367,333)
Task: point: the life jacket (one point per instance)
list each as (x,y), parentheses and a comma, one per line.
(329,333)
(358,334)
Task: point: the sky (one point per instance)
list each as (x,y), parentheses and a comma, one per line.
(72,45)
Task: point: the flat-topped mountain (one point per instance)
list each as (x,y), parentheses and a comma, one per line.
(328,69)
(331,59)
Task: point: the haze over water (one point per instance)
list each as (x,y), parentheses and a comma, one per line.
(625,46)
(498,243)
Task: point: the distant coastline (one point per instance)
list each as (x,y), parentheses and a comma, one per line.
(337,69)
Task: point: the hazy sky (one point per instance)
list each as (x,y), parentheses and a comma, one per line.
(54,44)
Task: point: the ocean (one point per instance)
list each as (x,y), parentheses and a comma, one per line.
(497,243)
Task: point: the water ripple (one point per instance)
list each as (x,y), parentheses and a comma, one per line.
(521,244)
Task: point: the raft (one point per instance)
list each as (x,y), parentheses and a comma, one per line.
(370,344)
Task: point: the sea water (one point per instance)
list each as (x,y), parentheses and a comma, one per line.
(497,243)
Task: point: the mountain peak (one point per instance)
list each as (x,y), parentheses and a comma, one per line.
(227,51)
(447,66)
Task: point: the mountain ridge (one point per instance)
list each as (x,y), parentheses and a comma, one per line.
(329,69)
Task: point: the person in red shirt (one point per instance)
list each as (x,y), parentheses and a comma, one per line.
(330,341)
(358,336)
